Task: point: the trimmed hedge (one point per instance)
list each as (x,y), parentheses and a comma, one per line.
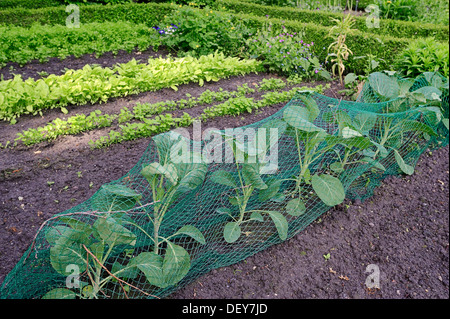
(146,13)
(395,28)
(28,4)
(362,3)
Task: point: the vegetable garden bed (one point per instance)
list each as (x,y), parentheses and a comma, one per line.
(48,178)
(60,149)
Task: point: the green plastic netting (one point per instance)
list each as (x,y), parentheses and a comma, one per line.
(188,207)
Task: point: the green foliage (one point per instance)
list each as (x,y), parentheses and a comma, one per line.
(424,55)
(271,84)
(73,125)
(169,179)
(89,247)
(398,9)
(29,4)
(96,85)
(286,54)
(432,11)
(199,32)
(385,48)
(148,127)
(94,1)
(325,5)
(138,13)
(404,94)
(21,45)
(312,143)
(244,184)
(388,27)
(82,123)
(233,106)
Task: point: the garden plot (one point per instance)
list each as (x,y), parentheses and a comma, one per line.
(81,147)
(52,176)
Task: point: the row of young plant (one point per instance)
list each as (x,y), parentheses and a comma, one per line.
(141,111)
(41,42)
(384,87)
(97,84)
(235,104)
(148,125)
(327,159)
(163,123)
(138,13)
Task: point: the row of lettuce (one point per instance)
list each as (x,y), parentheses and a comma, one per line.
(97,85)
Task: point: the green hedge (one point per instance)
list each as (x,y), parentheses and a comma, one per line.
(36,4)
(28,4)
(147,13)
(362,3)
(395,28)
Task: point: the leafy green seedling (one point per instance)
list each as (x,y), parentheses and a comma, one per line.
(244,183)
(312,144)
(168,179)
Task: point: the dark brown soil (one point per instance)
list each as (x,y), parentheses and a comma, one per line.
(403,228)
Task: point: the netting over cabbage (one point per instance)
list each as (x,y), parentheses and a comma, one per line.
(188,206)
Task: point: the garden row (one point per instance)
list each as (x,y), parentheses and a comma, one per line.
(145,120)
(97,84)
(40,42)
